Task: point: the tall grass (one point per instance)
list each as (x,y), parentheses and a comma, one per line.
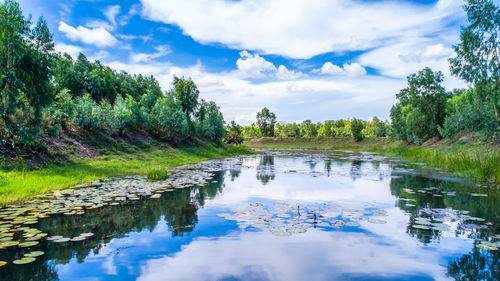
(20,184)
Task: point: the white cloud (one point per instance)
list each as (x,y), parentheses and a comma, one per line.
(95,36)
(352,69)
(111,13)
(402,59)
(72,50)
(433,52)
(161,51)
(330,68)
(254,66)
(284,73)
(301,28)
(246,119)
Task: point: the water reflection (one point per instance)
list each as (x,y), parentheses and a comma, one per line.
(431,231)
(265,169)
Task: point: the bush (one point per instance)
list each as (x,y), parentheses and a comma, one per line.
(123,116)
(85,116)
(168,120)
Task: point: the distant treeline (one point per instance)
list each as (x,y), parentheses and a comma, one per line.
(46,92)
(424,109)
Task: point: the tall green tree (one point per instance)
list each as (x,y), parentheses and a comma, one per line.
(478,53)
(357,127)
(186,94)
(25,73)
(420,110)
(266,120)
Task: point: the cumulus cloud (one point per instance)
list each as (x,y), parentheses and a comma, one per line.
(254,66)
(400,60)
(302,29)
(350,69)
(98,36)
(284,73)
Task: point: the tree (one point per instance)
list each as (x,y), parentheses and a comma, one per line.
(234,134)
(356,127)
(420,110)
(266,121)
(478,53)
(25,71)
(186,94)
(309,129)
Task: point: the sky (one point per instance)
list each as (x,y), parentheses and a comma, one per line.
(303,59)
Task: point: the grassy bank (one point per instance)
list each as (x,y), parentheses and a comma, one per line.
(477,161)
(19,184)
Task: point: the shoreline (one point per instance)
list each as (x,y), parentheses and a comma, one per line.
(473,161)
(18,184)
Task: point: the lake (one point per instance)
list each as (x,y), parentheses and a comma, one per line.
(277,215)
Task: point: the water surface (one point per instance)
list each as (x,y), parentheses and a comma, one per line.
(282,215)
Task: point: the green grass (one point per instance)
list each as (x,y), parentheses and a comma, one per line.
(156,174)
(22,184)
(477,161)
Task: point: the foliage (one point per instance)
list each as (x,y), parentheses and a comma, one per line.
(357,127)
(251,132)
(466,112)
(234,134)
(186,94)
(420,110)
(168,120)
(478,52)
(26,54)
(266,120)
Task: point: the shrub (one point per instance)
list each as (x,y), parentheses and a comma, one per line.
(157,174)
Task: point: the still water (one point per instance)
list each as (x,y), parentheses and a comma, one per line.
(279,215)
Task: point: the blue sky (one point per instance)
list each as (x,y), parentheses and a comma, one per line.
(318,60)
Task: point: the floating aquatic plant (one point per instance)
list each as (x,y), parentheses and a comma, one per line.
(24,260)
(34,254)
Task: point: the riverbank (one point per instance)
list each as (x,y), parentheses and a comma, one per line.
(477,161)
(131,159)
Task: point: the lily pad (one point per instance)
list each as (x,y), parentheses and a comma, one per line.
(28,244)
(89,234)
(78,238)
(24,260)
(34,254)
(57,237)
(9,244)
(62,240)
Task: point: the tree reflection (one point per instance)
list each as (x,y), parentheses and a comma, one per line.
(178,208)
(265,169)
(477,265)
(328,166)
(426,194)
(356,169)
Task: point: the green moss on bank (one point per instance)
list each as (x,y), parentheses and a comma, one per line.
(20,184)
(477,161)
